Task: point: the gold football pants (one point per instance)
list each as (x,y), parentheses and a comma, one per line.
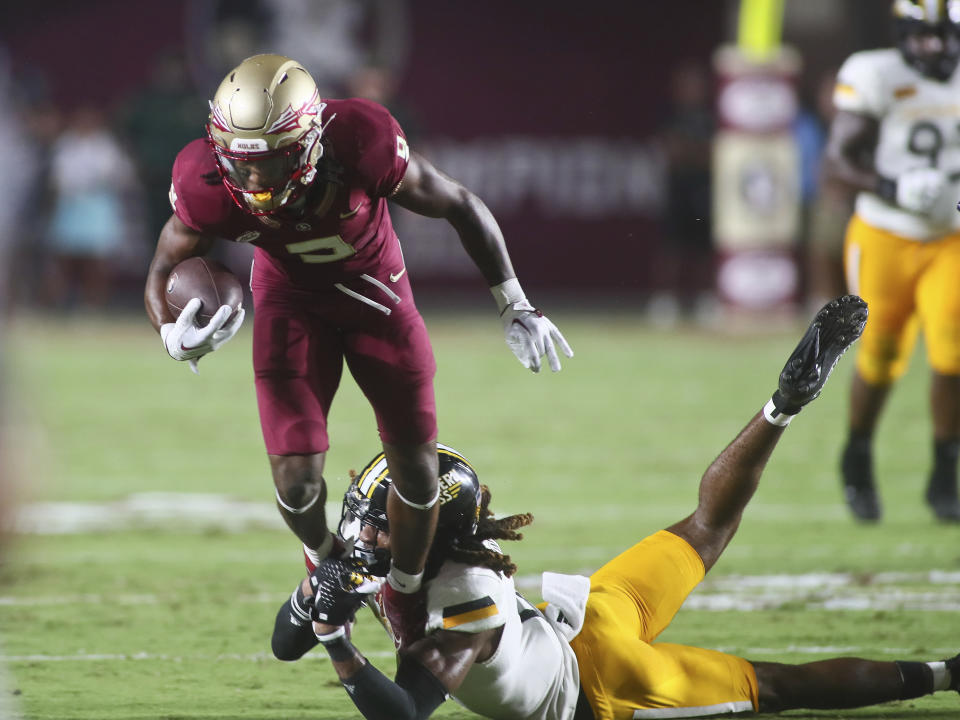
(623,672)
(906,284)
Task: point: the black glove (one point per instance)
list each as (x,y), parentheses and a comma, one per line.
(339,587)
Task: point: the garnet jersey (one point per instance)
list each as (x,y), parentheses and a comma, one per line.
(919,122)
(344,228)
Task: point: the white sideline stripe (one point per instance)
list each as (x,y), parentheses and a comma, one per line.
(684,712)
(221,512)
(106,657)
(94,599)
(260,657)
(818,591)
(817,580)
(813,591)
(154,510)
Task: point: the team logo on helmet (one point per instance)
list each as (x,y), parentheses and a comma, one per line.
(289,119)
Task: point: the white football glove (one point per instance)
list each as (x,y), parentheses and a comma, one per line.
(920,189)
(184,340)
(531,336)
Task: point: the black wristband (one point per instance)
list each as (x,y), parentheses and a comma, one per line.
(917,679)
(887,189)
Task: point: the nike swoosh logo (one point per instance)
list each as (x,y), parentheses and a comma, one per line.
(351,213)
(396,276)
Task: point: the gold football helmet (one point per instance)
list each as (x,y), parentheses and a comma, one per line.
(265,128)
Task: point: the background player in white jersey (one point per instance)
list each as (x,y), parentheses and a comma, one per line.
(589,651)
(896,140)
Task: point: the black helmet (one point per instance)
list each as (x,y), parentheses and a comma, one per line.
(365,503)
(941,18)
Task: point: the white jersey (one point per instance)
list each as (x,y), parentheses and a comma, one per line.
(919,127)
(533,675)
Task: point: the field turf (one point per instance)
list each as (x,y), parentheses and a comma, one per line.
(170,618)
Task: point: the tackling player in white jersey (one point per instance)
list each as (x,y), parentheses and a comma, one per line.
(589,651)
(896,139)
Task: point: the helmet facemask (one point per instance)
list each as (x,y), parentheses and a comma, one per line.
(265,129)
(365,505)
(263,182)
(358,513)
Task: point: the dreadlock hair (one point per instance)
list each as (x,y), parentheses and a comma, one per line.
(470,549)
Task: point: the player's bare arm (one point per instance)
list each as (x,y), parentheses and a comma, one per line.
(731,480)
(446,654)
(427,191)
(177,243)
(427,672)
(850,149)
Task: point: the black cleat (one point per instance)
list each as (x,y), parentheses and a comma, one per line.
(942,499)
(834,329)
(856,468)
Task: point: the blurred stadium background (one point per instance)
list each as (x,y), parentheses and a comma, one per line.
(145,561)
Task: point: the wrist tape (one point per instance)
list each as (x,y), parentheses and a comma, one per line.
(507,293)
(774,416)
(404,582)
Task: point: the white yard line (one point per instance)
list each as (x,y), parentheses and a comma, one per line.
(107,657)
(321,657)
(934,591)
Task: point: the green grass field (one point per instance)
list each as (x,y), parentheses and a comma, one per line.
(171,617)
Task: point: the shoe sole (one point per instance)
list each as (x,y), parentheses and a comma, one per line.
(833,330)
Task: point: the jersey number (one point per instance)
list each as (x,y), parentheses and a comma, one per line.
(926,140)
(321,250)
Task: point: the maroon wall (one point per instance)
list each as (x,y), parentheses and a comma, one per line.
(545,108)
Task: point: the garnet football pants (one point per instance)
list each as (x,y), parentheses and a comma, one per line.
(302,338)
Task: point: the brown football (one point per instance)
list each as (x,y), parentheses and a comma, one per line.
(209,280)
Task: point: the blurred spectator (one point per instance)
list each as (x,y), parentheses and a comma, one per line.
(379,83)
(14,181)
(333,38)
(19,160)
(685,266)
(158,121)
(94,212)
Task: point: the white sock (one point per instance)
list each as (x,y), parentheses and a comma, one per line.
(317,556)
(941,676)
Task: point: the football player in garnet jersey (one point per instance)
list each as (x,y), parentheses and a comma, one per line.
(589,651)
(306,181)
(896,140)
